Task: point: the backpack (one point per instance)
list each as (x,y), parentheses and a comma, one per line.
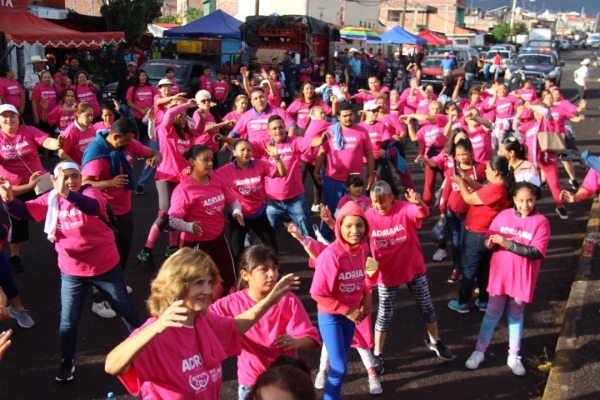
(327,93)
(110,220)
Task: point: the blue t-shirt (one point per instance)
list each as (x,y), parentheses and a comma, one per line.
(447,64)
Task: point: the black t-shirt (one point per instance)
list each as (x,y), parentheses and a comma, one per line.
(340,77)
(471,66)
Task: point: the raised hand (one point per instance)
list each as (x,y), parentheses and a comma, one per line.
(295,232)
(413,197)
(286,284)
(271,150)
(173,317)
(6,190)
(59,183)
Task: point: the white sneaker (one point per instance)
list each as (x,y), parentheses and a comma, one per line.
(514,362)
(103,309)
(247,241)
(375,385)
(321,379)
(22,317)
(476,358)
(316,208)
(129,289)
(319,236)
(439,255)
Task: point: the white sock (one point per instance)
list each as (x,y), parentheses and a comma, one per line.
(324,364)
(367,358)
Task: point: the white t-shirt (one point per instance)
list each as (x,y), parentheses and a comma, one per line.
(582,73)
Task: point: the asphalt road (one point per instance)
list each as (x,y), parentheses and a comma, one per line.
(412,371)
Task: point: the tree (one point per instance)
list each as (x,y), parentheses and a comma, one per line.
(166,19)
(503,29)
(192,14)
(130,16)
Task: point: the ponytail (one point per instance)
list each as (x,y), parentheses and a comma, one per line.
(500,165)
(513,144)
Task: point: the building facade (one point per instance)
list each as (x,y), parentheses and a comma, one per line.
(415,15)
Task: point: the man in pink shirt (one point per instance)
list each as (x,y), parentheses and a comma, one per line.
(347,145)
(253,123)
(205,83)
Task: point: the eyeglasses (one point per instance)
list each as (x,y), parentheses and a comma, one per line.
(204,101)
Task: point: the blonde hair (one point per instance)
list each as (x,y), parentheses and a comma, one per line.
(174,277)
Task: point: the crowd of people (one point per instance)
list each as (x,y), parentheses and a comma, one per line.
(217,296)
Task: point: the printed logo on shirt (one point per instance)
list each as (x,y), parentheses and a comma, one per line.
(214,200)
(13,90)
(248,181)
(10,152)
(344,276)
(199,382)
(144,95)
(347,287)
(84,143)
(387,232)
(216,373)
(507,230)
(191,363)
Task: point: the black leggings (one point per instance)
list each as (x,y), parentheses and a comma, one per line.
(385,173)
(142,133)
(124,237)
(237,233)
(308,168)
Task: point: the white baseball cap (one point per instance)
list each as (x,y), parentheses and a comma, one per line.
(446,54)
(353,50)
(586,61)
(164,82)
(371,105)
(397,53)
(8,107)
(264,82)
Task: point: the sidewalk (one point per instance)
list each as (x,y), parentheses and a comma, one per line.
(575,374)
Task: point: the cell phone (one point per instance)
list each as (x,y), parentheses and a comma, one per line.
(456,169)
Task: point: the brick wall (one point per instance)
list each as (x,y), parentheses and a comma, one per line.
(228,6)
(443,21)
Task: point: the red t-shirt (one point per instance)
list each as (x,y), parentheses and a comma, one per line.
(495,199)
(451,198)
(220,89)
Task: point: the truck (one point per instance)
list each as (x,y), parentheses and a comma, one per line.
(540,37)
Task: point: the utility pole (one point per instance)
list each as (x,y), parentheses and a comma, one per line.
(512,19)
(256,7)
(342,12)
(404,14)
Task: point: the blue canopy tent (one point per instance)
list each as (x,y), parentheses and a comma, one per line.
(397,35)
(217,24)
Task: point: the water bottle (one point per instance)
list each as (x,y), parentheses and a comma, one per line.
(110,396)
(588,246)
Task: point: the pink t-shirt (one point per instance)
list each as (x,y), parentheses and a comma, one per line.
(205,137)
(591,183)
(506,107)
(481,139)
(527,95)
(393,124)
(220,89)
(275,98)
(142,97)
(423,105)
(364,97)
(396,107)
(77,140)
(99,126)
(232,116)
(411,102)
(172,147)
(159,110)
(61,118)
(50,93)
(26,142)
(348,160)
(248,185)
(567,105)
(483,106)
(84,243)
(378,133)
(60,79)
(174,87)
(315,129)
(512,274)
(193,202)
(559,114)
(99,170)
(433,134)
(86,94)
(206,84)
(393,237)
(290,151)
(174,366)
(300,110)
(254,124)
(287,317)
(363,201)
(11,91)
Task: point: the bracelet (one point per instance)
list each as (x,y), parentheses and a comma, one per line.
(275,159)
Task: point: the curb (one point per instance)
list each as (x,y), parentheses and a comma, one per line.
(559,380)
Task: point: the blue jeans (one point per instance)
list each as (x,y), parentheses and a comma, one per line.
(337,332)
(128,112)
(148,173)
(291,89)
(469,76)
(73,292)
(475,264)
(243,391)
(456,229)
(296,208)
(333,191)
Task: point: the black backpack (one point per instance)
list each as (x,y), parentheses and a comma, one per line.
(111,221)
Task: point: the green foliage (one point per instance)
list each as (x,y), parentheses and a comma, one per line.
(192,14)
(130,16)
(166,19)
(503,30)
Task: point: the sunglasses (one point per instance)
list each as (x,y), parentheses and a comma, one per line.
(204,101)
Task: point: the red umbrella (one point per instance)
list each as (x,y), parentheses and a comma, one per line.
(433,38)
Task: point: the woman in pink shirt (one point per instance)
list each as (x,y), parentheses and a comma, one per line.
(63,115)
(338,287)
(304,103)
(206,127)
(190,341)
(86,91)
(526,93)
(519,239)
(87,255)
(505,105)
(44,98)
(140,97)
(170,75)
(246,179)
(78,135)
(198,211)
(285,329)
(11,91)
(61,78)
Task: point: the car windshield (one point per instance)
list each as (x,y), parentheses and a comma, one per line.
(156,70)
(442,51)
(503,54)
(534,59)
(432,62)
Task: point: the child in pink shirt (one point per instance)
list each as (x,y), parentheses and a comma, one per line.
(205,83)
(284,329)
(518,238)
(63,115)
(355,186)
(78,135)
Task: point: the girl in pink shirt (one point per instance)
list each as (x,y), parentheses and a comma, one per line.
(85,91)
(177,353)
(526,93)
(63,115)
(78,135)
(246,179)
(108,116)
(175,139)
(240,106)
(355,186)
(307,99)
(339,289)
(518,238)
(198,211)
(285,328)
(44,98)
(505,105)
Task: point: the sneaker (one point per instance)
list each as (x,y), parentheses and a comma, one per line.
(476,358)
(139,189)
(562,213)
(147,260)
(481,304)
(378,367)
(170,251)
(439,348)
(514,362)
(321,379)
(439,255)
(319,236)
(574,184)
(103,309)
(22,317)
(129,289)
(316,208)
(375,385)
(15,263)
(247,241)
(456,306)
(455,276)
(65,372)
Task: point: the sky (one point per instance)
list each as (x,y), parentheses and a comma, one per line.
(591,6)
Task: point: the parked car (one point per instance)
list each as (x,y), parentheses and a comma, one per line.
(462,53)
(432,70)
(594,44)
(538,64)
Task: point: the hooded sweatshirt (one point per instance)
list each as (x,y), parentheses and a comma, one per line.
(339,281)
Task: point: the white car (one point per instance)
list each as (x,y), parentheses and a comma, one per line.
(594,44)
(565,44)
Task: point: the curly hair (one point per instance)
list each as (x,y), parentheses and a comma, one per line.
(174,277)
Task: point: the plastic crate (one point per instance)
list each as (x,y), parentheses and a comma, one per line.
(189,46)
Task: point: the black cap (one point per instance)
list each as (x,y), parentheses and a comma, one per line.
(290,53)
